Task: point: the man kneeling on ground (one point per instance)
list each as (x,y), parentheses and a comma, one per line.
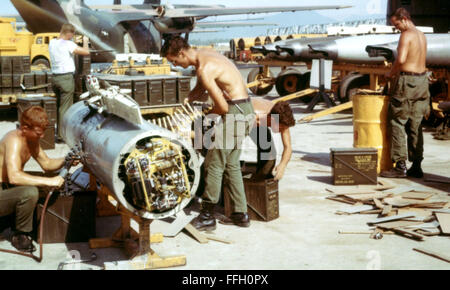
(18,192)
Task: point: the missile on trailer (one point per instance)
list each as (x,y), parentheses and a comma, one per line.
(351,49)
(298,49)
(151,171)
(438,50)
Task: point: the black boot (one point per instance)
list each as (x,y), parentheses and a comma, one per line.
(205,220)
(237,218)
(22,242)
(399,171)
(415,170)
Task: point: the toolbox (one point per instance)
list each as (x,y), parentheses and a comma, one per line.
(354,166)
(68,219)
(262,199)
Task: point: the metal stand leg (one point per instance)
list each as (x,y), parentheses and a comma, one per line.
(321,95)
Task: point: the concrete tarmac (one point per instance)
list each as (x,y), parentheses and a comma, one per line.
(305,236)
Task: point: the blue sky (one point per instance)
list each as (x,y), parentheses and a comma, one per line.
(362,8)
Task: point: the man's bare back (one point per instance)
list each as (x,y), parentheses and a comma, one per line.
(262,108)
(416,51)
(224,72)
(412,48)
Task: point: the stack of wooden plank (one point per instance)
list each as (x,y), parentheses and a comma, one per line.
(403,210)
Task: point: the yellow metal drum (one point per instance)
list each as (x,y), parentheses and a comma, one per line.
(370,125)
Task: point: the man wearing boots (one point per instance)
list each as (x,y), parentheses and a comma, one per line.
(18,190)
(410,98)
(222,80)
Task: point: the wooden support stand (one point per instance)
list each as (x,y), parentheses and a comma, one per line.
(136,245)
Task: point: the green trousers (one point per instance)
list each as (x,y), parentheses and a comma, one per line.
(20,200)
(64,88)
(223,160)
(409,103)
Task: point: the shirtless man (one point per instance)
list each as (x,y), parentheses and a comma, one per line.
(279,118)
(223,82)
(18,191)
(410,98)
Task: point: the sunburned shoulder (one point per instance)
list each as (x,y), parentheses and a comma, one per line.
(12,135)
(207,68)
(10,138)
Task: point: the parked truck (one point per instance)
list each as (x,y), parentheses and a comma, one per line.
(14,42)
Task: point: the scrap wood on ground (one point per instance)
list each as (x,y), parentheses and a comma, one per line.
(403,210)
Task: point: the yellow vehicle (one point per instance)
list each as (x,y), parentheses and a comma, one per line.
(23,42)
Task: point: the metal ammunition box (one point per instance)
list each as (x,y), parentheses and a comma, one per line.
(6,64)
(49,81)
(262,199)
(16,80)
(28,80)
(49,105)
(124,82)
(155,92)
(16,83)
(83,65)
(170,90)
(48,141)
(7,81)
(26,64)
(68,219)
(183,88)
(353,166)
(40,78)
(7,91)
(17,65)
(139,92)
(24,103)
